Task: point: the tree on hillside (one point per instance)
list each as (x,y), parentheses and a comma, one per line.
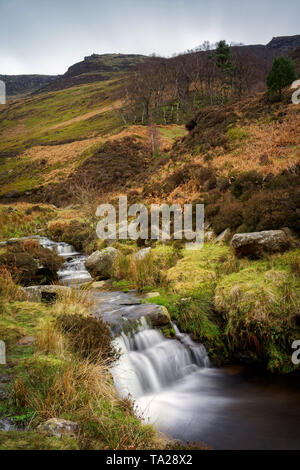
(223,60)
(281,75)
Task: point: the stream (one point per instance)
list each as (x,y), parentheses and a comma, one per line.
(174,385)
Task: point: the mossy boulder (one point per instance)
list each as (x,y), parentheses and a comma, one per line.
(100,263)
(256,244)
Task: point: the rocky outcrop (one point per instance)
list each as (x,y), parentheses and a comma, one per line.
(59,427)
(44,293)
(17,85)
(254,245)
(100,263)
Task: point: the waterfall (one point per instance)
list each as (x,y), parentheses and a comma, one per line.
(151,363)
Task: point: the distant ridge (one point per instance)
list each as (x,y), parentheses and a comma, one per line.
(20,85)
(100,67)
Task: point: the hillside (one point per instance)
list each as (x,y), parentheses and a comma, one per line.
(95,68)
(20,85)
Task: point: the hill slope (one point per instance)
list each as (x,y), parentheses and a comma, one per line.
(20,85)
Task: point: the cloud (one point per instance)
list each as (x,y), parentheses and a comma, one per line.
(50,35)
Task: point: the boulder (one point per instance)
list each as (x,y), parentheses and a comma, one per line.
(59,427)
(100,263)
(224,237)
(255,244)
(159,316)
(142,254)
(44,293)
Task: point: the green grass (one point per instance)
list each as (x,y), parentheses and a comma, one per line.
(24,219)
(173,132)
(37,114)
(15,440)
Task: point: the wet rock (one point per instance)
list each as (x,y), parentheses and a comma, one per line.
(142,254)
(100,263)
(59,427)
(44,293)
(224,237)
(254,245)
(120,310)
(159,316)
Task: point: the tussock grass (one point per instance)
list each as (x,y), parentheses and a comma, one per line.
(149,271)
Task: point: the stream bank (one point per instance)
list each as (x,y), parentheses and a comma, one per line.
(174,385)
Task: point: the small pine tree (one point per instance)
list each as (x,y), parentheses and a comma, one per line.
(281,75)
(223,59)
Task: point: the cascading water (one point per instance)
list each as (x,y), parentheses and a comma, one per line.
(174,386)
(151,363)
(73,270)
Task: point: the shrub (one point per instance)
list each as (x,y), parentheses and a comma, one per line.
(246,183)
(29,263)
(271,210)
(230,215)
(89,337)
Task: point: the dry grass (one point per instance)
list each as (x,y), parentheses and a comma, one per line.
(73,301)
(8,286)
(149,271)
(48,339)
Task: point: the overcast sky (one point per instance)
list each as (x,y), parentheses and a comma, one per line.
(47,36)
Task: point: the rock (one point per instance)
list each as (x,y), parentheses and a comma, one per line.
(100,285)
(152,295)
(224,237)
(59,427)
(255,244)
(209,236)
(122,310)
(159,316)
(44,293)
(142,254)
(100,263)
(27,340)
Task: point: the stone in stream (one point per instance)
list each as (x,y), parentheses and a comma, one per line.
(255,244)
(59,427)
(100,263)
(119,309)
